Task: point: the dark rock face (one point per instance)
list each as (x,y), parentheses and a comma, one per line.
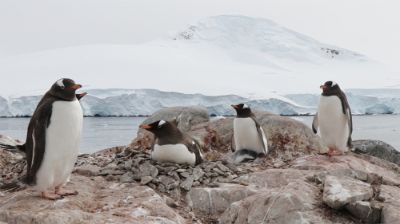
(378,149)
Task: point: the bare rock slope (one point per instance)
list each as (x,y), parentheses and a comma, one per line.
(295,183)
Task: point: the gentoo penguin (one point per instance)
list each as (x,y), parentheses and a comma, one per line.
(249,137)
(171,145)
(334,119)
(53,137)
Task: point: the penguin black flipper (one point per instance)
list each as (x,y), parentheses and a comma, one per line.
(315,124)
(350,122)
(36,137)
(233,143)
(347,111)
(194,147)
(261,134)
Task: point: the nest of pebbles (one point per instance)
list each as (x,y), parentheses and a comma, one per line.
(170,178)
(12,167)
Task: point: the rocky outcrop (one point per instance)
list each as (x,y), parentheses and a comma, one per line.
(98,201)
(340,191)
(293,184)
(378,149)
(390,211)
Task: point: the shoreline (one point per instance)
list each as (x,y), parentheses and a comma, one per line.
(212,116)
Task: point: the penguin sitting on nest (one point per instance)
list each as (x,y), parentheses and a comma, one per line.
(334,119)
(53,138)
(171,145)
(248,136)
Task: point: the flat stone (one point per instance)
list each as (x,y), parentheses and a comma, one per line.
(88,170)
(198,173)
(187,184)
(168,182)
(340,191)
(294,203)
(184,174)
(366,211)
(145,180)
(126,178)
(223,168)
(128,164)
(147,169)
(211,201)
(391,209)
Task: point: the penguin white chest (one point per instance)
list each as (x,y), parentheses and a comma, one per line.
(175,153)
(246,135)
(62,144)
(333,123)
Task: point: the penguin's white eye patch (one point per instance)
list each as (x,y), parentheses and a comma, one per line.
(245,106)
(333,84)
(60,83)
(161,123)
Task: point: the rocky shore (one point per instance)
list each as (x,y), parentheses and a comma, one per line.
(295,183)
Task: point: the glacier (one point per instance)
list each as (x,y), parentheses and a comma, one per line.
(144,102)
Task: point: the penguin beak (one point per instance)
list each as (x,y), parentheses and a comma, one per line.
(80,95)
(76,86)
(323,87)
(145,126)
(235,106)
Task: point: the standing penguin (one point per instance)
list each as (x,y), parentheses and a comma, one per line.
(171,145)
(53,137)
(249,137)
(334,119)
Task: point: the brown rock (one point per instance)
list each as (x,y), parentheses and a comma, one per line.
(211,201)
(391,211)
(98,202)
(288,204)
(340,191)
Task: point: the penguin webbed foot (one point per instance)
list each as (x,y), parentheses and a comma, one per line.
(333,151)
(64,192)
(51,196)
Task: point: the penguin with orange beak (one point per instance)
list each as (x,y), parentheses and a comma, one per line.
(172,145)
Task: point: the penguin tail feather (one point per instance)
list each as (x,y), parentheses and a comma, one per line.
(244,155)
(13,148)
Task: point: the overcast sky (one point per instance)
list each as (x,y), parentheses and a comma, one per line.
(371,27)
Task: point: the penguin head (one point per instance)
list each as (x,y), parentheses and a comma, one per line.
(161,128)
(330,87)
(65,89)
(242,110)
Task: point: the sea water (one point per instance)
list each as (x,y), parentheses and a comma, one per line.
(105,132)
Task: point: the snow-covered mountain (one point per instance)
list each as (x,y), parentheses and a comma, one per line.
(227,59)
(127,102)
(222,55)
